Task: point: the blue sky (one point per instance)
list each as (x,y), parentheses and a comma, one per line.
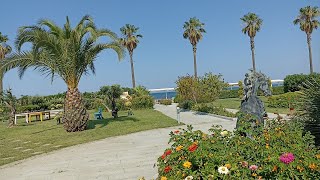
(163,54)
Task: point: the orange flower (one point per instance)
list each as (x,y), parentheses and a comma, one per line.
(313,166)
(274,169)
(260,178)
(177,132)
(228,166)
(167,169)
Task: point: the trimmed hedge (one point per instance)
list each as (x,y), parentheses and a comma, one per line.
(142,102)
(210,108)
(287,100)
(277,90)
(225,94)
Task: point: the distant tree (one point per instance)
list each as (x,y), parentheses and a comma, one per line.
(240,91)
(307,19)
(4,50)
(112,93)
(130,41)
(252,26)
(193,30)
(141,91)
(67,52)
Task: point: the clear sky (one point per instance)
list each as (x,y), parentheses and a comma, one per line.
(163,54)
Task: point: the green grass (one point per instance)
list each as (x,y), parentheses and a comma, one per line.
(234,103)
(35,135)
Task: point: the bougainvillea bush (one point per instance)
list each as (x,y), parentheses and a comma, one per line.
(278,151)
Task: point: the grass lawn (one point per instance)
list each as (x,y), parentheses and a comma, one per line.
(26,140)
(234,103)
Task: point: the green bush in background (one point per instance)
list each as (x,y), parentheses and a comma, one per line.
(225,94)
(165,101)
(295,82)
(142,102)
(210,108)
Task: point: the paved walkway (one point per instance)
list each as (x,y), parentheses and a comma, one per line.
(118,158)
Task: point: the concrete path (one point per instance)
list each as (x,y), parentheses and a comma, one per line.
(118,158)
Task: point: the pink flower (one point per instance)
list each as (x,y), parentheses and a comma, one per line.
(253,167)
(286,158)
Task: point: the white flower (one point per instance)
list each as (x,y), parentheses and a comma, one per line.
(223,170)
(224,133)
(188,178)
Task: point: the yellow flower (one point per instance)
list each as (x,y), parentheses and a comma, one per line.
(224,133)
(313,166)
(254,174)
(163,178)
(300,169)
(179,148)
(267,146)
(187,164)
(228,166)
(318,156)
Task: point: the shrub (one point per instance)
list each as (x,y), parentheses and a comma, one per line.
(165,101)
(295,82)
(279,152)
(210,108)
(142,102)
(204,89)
(225,94)
(186,104)
(287,100)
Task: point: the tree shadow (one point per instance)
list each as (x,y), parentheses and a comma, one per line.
(104,122)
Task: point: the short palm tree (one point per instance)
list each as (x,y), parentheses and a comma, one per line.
(67,52)
(308,22)
(130,41)
(252,26)
(4,50)
(193,30)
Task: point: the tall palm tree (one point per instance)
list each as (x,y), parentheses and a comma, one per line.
(130,41)
(193,30)
(252,26)
(308,22)
(67,52)
(4,50)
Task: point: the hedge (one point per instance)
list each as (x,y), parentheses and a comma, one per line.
(294,82)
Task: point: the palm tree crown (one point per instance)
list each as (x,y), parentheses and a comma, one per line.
(252,24)
(307,19)
(66,52)
(4,48)
(130,40)
(193,30)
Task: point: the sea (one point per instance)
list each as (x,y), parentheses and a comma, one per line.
(163,95)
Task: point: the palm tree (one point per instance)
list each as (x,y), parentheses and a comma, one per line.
(9,100)
(67,52)
(193,30)
(130,41)
(308,22)
(4,50)
(252,26)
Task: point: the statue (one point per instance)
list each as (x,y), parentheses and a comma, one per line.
(250,103)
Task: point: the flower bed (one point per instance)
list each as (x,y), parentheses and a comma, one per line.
(279,151)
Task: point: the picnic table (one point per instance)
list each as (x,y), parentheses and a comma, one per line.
(39,115)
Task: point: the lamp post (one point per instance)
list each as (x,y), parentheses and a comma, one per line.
(178,114)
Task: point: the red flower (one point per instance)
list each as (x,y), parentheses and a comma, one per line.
(168,152)
(167,169)
(176,132)
(193,147)
(163,156)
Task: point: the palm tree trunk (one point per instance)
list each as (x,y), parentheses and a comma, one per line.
(75,115)
(195,61)
(252,54)
(310,52)
(132,70)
